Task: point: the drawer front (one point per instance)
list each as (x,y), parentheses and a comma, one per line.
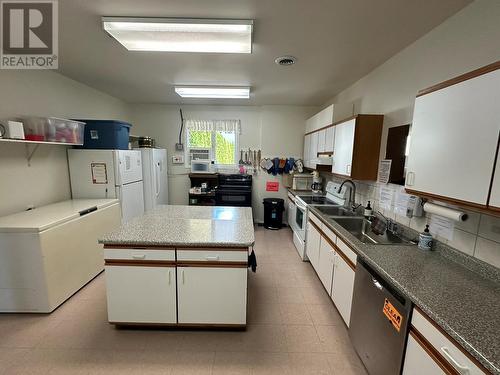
(449,350)
(139,254)
(329,233)
(315,220)
(212,256)
(347,250)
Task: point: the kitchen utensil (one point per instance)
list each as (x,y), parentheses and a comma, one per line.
(259,156)
(2,131)
(241,158)
(249,157)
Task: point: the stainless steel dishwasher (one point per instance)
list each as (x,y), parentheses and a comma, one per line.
(379,322)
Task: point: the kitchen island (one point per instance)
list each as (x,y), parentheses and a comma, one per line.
(180,266)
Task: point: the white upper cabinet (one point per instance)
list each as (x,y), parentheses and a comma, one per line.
(343,147)
(313,148)
(321,140)
(307,146)
(320,119)
(329,138)
(495,188)
(454,139)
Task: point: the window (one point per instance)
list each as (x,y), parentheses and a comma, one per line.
(221,136)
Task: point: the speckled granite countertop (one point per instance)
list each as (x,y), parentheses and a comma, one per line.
(187,226)
(463,302)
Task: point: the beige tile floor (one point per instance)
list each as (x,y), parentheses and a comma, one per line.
(293,328)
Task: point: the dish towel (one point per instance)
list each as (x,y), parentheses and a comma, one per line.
(252,261)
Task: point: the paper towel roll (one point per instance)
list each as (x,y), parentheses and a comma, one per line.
(449,213)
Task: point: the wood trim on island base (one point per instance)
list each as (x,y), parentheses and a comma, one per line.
(160,247)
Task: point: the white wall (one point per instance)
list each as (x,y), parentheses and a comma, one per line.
(276,130)
(464,42)
(43,93)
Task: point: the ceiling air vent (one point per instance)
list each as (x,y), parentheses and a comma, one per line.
(285,60)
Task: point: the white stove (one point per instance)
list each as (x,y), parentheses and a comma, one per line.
(299,224)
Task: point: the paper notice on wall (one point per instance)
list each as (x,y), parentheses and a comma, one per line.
(385,197)
(384,171)
(401,203)
(99,173)
(441,226)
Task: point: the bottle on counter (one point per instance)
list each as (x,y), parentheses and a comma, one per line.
(425,239)
(368,212)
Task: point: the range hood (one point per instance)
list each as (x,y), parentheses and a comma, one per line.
(323,160)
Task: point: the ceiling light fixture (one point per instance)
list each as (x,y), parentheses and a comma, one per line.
(213,92)
(181,34)
(285,60)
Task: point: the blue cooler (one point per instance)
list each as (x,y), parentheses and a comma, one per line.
(106,134)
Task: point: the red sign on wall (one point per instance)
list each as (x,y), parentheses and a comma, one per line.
(272,186)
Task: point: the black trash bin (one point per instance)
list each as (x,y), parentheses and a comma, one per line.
(273,213)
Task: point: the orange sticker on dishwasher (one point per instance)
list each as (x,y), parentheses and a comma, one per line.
(393,314)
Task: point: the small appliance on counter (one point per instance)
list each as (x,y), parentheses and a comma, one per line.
(302,181)
(317,183)
(146,142)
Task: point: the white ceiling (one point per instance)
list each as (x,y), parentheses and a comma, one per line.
(336,43)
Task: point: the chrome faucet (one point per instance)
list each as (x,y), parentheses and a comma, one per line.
(352,194)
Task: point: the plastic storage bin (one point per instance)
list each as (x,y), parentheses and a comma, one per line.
(273,213)
(106,134)
(53,129)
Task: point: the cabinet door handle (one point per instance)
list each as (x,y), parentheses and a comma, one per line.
(182,272)
(169,277)
(463,370)
(348,169)
(212,258)
(139,256)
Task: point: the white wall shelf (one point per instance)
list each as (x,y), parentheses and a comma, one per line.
(30,153)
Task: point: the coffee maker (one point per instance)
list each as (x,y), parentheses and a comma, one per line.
(317,184)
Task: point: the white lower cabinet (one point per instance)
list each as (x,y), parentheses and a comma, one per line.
(342,288)
(211,295)
(141,294)
(312,245)
(326,264)
(418,361)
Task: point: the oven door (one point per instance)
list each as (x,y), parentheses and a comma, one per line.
(235,198)
(300,220)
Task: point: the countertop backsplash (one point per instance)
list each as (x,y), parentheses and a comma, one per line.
(478,236)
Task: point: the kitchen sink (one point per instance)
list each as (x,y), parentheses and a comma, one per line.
(360,228)
(334,211)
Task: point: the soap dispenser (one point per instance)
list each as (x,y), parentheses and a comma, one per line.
(425,239)
(368,212)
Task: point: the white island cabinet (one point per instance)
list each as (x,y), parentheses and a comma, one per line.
(49,253)
(165,268)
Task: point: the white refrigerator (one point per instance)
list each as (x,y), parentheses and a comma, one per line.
(154,172)
(108,174)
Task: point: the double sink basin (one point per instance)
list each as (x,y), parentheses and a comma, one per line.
(360,227)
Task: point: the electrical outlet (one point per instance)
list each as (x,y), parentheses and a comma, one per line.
(178,159)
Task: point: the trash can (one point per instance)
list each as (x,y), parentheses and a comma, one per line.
(273,213)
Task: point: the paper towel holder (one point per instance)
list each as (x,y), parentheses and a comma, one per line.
(447,212)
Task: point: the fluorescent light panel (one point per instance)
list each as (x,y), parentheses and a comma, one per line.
(213,92)
(181,34)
